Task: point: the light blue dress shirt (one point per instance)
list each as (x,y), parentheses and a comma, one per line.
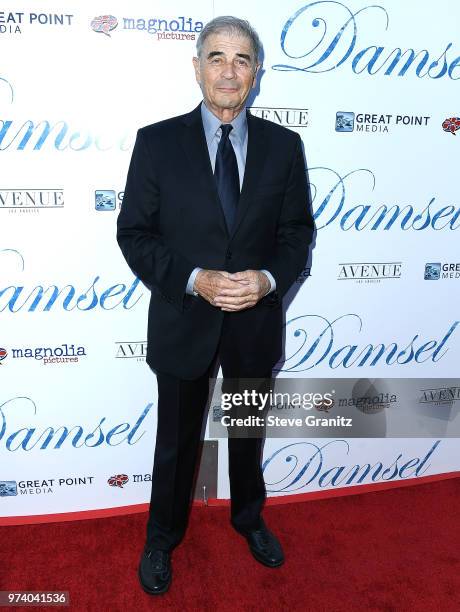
(239,139)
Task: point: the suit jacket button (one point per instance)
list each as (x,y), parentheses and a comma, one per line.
(228,255)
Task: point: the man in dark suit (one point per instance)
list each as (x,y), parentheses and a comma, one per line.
(216,222)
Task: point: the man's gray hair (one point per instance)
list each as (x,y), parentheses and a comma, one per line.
(230,25)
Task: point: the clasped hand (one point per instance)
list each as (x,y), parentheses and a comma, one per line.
(232,291)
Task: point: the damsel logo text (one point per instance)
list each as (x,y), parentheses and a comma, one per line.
(40,298)
(325,35)
(330,194)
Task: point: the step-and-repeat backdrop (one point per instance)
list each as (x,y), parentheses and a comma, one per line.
(373,91)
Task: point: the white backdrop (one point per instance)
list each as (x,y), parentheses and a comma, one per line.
(369,89)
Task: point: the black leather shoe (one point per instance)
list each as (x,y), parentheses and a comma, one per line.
(155,571)
(265,547)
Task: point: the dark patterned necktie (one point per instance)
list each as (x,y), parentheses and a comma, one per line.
(227,177)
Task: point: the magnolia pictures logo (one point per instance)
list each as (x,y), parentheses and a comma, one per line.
(347,121)
(451,125)
(120,480)
(441,271)
(63,354)
(104,24)
(369,272)
(163,28)
(18,22)
(370,403)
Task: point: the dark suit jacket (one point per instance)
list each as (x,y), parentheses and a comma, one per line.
(171,221)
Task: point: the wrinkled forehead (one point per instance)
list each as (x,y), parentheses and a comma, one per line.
(229,44)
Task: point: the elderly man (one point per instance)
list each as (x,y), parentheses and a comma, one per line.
(216,222)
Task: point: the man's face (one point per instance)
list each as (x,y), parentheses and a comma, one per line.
(226,72)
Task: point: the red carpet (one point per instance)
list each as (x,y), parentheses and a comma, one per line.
(395,550)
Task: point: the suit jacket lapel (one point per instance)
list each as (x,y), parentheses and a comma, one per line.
(255,160)
(196,149)
(194,144)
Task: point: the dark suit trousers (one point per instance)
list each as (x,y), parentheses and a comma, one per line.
(181,411)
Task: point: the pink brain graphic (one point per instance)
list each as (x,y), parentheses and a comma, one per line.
(118,481)
(104,24)
(451,125)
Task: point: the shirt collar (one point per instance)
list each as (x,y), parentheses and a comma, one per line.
(211,124)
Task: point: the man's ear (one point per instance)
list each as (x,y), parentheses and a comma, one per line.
(254,78)
(196,65)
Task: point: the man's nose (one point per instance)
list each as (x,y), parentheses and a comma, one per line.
(228,71)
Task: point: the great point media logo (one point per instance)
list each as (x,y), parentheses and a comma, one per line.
(107,200)
(373,123)
(432,271)
(41,298)
(8,488)
(438,271)
(40,486)
(162,28)
(104,199)
(326,35)
(344,121)
(100,431)
(16,22)
(54,135)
